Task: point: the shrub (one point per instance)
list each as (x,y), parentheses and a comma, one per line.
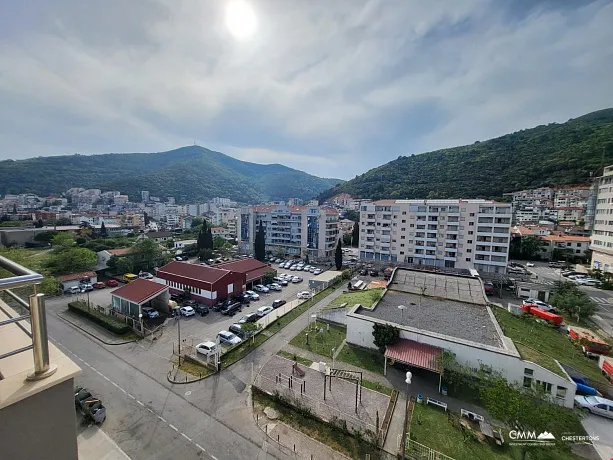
(105,321)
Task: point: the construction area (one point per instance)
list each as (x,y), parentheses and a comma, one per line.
(332,395)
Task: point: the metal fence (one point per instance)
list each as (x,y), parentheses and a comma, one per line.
(317,407)
(418,451)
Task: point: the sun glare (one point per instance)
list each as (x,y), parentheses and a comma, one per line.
(240,19)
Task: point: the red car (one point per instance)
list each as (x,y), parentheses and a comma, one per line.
(112,283)
(99,285)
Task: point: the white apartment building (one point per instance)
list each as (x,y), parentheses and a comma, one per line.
(224,214)
(601,241)
(444,233)
(291,230)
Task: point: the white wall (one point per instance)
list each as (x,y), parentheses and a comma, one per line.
(507,362)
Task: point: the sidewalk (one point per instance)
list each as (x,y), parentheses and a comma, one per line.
(95,444)
(91,328)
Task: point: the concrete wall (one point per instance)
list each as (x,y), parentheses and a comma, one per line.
(42,426)
(507,362)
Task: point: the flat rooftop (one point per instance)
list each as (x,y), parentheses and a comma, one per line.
(444,286)
(442,316)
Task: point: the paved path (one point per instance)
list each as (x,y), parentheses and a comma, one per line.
(95,444)
(91,328)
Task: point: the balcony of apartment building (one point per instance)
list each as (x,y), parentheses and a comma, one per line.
(450,255)
(453,219)
(432,218)
(430,254)
(482,229)
(484,239)
(432,227)
(482,248)
(498,260)
(431,236)
(386,238)
(419,218)
(452,246)
(36,379)
(485,220)
(486,210)
(420,226)
(503,210)
(420,234)
(482,257)
(502,220)
(420,244)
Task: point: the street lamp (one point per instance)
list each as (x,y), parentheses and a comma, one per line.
(402,308)
(140,317)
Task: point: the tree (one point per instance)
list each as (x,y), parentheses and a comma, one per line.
(45,237)
(352,215)
(385,334)
(530,247)
(62,241)
(347,240)
(71,260)
(250,329)
(573,301)
(205,254)
(145,254)
(338,255)
(260,244)
(123,265)
(208,239)
(201,238)
(14,208)
(146,218)
(219,242)
(39,223)
(355,234)
(63,221)
(197,221)
(267,277)
(103,232)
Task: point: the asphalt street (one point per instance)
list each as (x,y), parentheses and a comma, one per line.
(150,418)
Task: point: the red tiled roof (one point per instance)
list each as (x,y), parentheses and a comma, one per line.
(415,354)
(582,239)
(76,276)
(118,252)
(252,268)
(195,272)
(139,291)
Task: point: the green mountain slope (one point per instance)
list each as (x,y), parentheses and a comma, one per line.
(189,174)
(546,155)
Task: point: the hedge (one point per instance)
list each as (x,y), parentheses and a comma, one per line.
(105,321)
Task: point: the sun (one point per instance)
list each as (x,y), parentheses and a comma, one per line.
(240,19)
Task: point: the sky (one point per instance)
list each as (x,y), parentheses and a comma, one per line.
(333,88)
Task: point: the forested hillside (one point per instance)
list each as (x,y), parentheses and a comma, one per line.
(546,155)
(189,174)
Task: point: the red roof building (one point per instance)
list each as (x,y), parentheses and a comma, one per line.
(207,284)
(252,269)
(129,299)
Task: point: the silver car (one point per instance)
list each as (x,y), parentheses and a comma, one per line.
(595,405)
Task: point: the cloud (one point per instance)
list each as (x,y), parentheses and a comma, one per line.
(333,88)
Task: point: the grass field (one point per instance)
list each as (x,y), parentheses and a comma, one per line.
(365,298)
(377,387)
(299,359)
(430,427)
(547,341)
(371,361)
(320,342)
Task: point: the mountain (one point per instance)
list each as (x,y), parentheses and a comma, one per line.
(554,154)
(189,174)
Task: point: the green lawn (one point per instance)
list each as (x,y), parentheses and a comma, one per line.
(371,361)
(545,340)
(320,342)
(237,353)
(547,362)
(365,298)
(299,359)
(377,387)
(430,427)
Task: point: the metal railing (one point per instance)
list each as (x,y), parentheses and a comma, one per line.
(24,277)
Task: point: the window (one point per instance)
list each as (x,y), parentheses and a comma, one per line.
(470,232)
(469,241)
(471,224)
(527,382)
(401,252)
(402,245)
(546,386)
(404,213)
(404,221)
(402,237)
(468,259)
(403,229)
(528,371)
(411,225)
(472,214)
(469,250)
(561,392)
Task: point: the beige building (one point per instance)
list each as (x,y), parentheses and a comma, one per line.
(601,241)
(37,412)
(444,233)
(291,230)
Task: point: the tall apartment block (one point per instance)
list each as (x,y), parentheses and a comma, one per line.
(291,230)
(443,233)
(601,241)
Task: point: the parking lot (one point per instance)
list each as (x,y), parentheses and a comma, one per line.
(196,329)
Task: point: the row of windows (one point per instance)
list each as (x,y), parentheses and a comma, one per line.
(183,287)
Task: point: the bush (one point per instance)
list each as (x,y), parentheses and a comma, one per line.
(105,321)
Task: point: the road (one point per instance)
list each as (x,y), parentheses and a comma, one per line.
(603,299)
(150,418)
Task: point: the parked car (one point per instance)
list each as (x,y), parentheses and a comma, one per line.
(179,258)
(187,311)
(317,271)
(202,309)
(297,279)
(99,285)
(112,283)
(231,309)
(72,290)
(540,304)
(263,311)
(245,298)
(253,295)
(529,264)
(568,273)
(576,276)
(275,287)
(145,276)
(260,288)
(283,282)
(176,297)
(595,405)
(150,313)
(277,261)
(305,295)
(228,338)
(206,348)
(250,318)
(587,281)
(237,329)
(86,287)
(189,303)
(373,272)
(312,270)
(278,303)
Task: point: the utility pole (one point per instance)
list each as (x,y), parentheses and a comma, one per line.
(178,317)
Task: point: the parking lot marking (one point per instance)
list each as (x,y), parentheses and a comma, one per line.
(106,378)
(150,410)
(186,437)
(173,427)
(133,397)
(162,419)
(200,447)
(86,363)
(140,403)
(114,383)
(213,457)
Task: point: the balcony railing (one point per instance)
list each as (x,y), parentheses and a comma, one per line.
(38,320)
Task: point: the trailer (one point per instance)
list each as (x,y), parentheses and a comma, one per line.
(592,345)
(605,363)
(547,316)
